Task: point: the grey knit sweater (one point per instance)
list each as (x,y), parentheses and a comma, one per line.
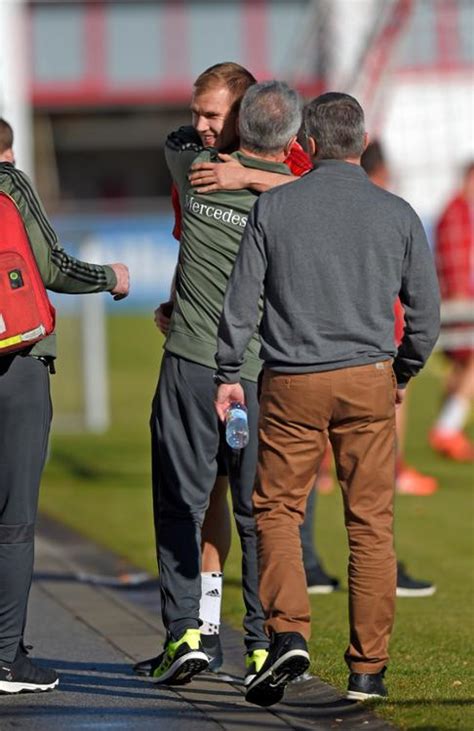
(331,252)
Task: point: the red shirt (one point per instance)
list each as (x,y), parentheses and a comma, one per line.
(177,212)
(454,251)
(298,162)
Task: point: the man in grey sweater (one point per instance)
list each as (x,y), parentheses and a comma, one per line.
(331,252)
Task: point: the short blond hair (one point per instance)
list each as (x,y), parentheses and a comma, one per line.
(232,75)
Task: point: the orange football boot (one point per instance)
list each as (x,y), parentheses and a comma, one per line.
(411,482)
(454,445)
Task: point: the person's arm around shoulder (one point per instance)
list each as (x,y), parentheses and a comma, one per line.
(181,148)
(419,295)
(230,174)
(208,177)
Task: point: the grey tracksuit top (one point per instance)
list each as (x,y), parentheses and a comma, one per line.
(332,251)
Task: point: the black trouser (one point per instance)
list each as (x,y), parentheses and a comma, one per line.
(310,556)
(25,417)
(186,441)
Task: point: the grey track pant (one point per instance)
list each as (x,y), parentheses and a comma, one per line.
(186,439)
(25,417)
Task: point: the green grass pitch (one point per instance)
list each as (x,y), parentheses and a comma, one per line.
(100,485)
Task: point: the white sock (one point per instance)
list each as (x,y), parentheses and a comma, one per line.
(453,415)
(210,606)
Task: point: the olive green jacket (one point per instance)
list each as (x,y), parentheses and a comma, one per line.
(59,271)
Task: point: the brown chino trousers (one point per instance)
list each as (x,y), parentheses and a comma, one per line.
(355,408)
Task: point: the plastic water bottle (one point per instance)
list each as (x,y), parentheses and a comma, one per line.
(237,427)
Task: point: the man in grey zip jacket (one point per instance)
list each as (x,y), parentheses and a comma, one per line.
(331,252)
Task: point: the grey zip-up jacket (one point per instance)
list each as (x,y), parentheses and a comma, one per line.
(332,251)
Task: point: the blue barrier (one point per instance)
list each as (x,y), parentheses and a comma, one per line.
(143,242)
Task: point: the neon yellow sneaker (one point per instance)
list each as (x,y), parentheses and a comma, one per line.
(181,659)
(254,662)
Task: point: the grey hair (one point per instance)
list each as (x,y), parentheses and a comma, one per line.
(336,122)
(270,115)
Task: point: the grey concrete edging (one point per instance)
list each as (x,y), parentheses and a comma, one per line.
(92,632)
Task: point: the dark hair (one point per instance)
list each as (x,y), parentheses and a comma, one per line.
(232,75)
(6,136)
(336,122)
(373,157)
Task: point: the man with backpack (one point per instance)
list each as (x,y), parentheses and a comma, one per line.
(25,406)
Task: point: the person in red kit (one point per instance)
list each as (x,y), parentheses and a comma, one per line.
(454,254)
(409,480)
(209,177)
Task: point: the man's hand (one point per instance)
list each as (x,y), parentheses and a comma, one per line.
(207,177)
(399,397)
(227,394)
(163,316)
(122,287)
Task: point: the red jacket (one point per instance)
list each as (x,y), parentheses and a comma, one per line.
(454,251)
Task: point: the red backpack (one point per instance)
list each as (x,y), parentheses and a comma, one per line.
(26,314)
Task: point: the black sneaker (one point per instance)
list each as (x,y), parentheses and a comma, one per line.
(319,582)
(287,658)
(211,644)
(409,587)
(24,649)
(363,686)
(22,676)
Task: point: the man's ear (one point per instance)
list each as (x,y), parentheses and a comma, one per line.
(312,146)
(366,140)
(7,156)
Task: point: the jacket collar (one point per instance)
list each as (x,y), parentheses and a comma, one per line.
(340,167)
